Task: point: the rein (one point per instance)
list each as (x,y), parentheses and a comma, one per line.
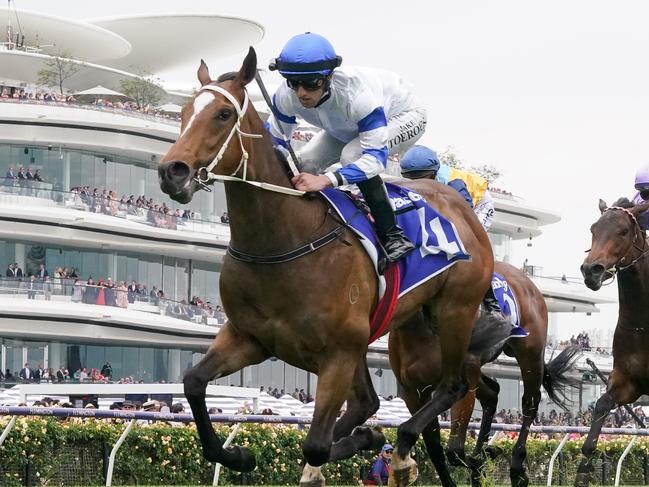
(644,250)
(204,175)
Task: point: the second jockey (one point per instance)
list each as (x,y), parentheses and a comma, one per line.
(365,115)
(422,162)
(642,195)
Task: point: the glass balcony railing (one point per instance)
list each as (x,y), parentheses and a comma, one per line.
(14,191)
(75,291)
(150,117)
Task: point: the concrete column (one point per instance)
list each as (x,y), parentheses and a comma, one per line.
(55,352)
(66,170)
(20,256)
(173,367)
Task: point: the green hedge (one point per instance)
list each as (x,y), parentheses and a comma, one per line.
(48,451)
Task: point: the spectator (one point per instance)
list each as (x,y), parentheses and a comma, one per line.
(91,293)
(77,291)
(380,471)
(26,373)
(107,370)
(121,299)
(225,218)
(42,272)
(32,287)
(47,288)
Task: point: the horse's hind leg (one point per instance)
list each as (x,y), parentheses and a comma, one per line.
(362,403)
(487,394)
(456,319)
(228,353)
(619,391)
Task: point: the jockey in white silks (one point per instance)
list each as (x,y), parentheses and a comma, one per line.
(365,115)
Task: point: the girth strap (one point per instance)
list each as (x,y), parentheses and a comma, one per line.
(311,247)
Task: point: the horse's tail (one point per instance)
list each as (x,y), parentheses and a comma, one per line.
(555,378)
(490,332)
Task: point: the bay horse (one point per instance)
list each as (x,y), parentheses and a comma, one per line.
(415,358)
(296,284)
(619,248)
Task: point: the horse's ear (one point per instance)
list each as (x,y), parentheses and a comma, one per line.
(602,206)
(248,70)
(204,74)
(640,209)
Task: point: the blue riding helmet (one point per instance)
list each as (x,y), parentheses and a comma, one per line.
(642,178)
(419,158)
(306,54)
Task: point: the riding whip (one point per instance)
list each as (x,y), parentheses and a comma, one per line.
(292,164)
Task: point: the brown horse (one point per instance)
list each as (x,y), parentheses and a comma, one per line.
(619,247)
(297,285)
(415,355)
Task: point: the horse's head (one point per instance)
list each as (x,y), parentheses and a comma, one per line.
(614,237)
(210,139)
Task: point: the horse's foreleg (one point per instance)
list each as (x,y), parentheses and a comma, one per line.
(362,402)
(532,371)
(228,353)
(619,391)
(431,437)
(460,416)
(335,378)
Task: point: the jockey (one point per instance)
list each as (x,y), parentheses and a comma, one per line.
(422,162)
(366,114)
(642,196)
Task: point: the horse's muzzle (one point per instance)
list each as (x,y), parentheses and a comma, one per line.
(176,180)
(593,274)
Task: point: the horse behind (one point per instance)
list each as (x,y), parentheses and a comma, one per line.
(619,248)
(312,311)
(415,354)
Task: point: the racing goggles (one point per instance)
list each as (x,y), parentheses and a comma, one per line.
(309,84)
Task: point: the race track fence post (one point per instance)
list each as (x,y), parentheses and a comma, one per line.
(226,443)
(618,470)
(113,453)
(554,457)
(8,429)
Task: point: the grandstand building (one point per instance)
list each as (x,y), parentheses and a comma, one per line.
(80,144)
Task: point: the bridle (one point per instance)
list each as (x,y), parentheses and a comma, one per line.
(204,174)
(644,250)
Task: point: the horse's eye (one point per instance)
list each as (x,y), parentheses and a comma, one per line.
(622,233)
(224,114)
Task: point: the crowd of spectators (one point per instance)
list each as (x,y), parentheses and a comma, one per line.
(107,202)
(106,292)
(582,340)
(619,418)
(20,94)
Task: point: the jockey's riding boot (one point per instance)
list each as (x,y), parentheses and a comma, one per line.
(394,241)
(490,303)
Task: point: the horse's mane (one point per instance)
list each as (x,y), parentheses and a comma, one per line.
(623,203)
(229,76)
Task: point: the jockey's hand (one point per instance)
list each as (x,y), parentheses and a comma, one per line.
(309,183)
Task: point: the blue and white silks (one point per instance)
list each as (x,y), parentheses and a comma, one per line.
(438,243)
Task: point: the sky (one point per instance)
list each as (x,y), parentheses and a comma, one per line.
(555,94)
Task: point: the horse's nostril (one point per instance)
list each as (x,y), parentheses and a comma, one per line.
(597,269)
(178,170)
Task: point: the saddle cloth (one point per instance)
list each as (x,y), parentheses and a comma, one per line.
(438,244)
(506,299)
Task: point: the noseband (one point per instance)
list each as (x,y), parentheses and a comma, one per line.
(637,229)
(204,174)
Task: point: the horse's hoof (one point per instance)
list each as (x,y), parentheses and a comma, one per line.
(518,478)
(371,439)
(493,452)
(312,477)
(403,473)
(456,458)
(244,459)
(582,480)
